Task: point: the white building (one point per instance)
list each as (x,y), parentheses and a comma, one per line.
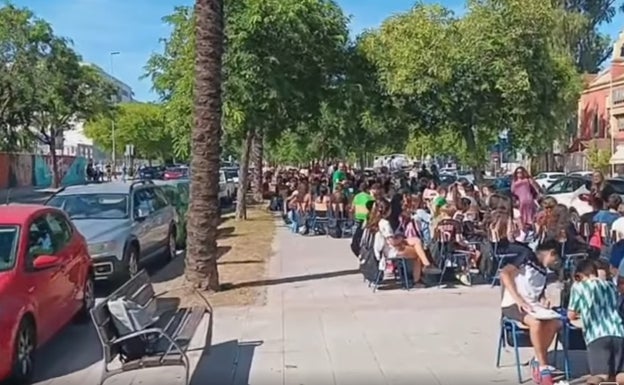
(74,142)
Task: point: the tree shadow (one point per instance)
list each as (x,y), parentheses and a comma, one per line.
(228,363)
(225,232)
(299,278)
(175,267)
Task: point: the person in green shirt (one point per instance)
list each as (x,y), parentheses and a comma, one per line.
(339,175)
(359,203)
(595,302)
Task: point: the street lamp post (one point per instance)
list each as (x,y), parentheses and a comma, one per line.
(114,157)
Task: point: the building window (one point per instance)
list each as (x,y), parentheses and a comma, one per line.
(596,125)
(620,123)
(618,96)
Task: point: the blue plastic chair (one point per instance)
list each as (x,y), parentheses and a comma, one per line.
(519,335)
(400,273)
(499,259)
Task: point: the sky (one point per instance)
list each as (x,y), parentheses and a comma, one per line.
(134,29)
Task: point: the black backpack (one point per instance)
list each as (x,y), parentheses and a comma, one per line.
(369,265)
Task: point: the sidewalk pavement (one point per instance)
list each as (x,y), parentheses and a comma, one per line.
(322,324)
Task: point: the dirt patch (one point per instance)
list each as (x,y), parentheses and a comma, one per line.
(244,250)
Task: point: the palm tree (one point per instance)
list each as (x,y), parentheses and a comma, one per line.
(201,255)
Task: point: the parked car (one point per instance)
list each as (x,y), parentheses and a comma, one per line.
(127,225)
(545,179)
(46,281)
(151,172)
(447,179)
(227,188)
(173,173)
(177,192)
(571,191)
(581,173)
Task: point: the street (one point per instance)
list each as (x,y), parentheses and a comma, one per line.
(322,324)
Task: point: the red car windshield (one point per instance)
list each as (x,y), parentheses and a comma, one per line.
(8,246)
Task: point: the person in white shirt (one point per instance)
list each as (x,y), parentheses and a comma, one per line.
(524,285)
(387,244)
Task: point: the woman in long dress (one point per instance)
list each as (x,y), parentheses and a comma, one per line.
(526,190)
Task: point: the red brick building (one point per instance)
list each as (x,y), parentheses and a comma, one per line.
(601,109)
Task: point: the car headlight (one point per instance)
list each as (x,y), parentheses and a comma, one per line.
(101,248)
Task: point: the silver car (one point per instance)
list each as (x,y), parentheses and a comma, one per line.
(126,225)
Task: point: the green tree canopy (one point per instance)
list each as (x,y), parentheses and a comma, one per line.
(139,124)
(496,68)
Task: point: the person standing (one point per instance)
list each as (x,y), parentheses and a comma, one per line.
(600,187)
(525,188)
(338,176)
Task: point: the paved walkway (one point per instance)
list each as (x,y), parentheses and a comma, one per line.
(322,324)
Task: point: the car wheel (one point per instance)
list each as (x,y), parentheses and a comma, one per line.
(88,299)
(131,259)
(24,353)
(171,244)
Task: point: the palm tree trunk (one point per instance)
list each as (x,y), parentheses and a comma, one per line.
(258,154)
(243,179)
(203,220)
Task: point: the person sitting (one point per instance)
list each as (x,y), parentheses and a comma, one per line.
(524,283)
(610,212)
(595,302)
(449,232)
(389,245)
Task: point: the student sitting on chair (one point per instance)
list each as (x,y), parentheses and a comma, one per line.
(524,284)
(595,302)
(389,245)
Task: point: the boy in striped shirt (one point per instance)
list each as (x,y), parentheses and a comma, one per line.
(595,302)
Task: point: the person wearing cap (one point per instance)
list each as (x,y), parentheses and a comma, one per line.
(524,284)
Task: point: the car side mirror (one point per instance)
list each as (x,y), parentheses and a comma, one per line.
(44,262)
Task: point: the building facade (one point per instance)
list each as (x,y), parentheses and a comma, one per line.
(600,118)
(74,142)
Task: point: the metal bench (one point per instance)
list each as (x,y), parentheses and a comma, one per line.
(163,344)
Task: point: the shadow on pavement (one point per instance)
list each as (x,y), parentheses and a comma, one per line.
(228,363)
(175,268)
(299,278)
(74,349)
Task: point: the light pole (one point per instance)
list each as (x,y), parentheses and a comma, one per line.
(114,158)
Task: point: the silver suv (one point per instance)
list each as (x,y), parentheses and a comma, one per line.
(126,225)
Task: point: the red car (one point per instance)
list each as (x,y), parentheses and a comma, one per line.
(175,173)
(45,282)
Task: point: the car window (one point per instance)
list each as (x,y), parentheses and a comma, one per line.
(541,176)
(61,230)
(559,187)
(160,200)
(40,240)
(172,194)
(562,186)
(9,236)
(618,186)
(575,184)
(142,202)
(92,206)
(184,193)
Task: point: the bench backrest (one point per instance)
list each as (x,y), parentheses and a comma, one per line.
(138,289)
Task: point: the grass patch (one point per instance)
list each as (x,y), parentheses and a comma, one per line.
(244,249)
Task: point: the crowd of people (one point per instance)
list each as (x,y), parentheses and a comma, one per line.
(411,217)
